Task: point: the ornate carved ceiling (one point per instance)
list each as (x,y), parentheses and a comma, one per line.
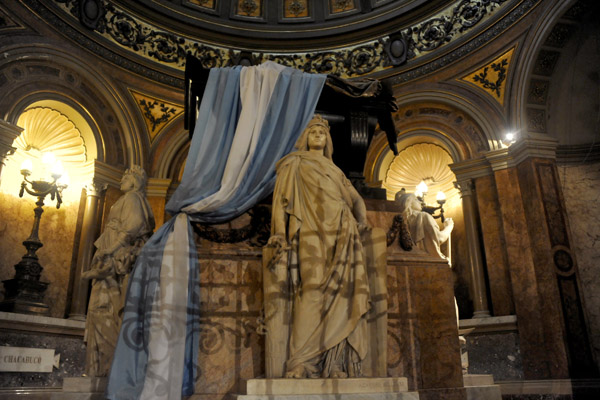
(341,37)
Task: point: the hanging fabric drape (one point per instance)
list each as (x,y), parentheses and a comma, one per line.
(249,118)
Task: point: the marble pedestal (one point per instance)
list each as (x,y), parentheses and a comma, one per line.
(84,388)
(338,389)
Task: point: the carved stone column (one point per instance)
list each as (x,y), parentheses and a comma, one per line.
(8,134)
(86,249)
(479,291)
(104,176)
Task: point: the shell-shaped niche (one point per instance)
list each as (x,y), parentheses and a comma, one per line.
(421,162)
(48,130)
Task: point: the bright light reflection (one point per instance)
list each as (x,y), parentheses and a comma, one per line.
(422,187)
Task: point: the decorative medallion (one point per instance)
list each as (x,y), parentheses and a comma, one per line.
(492,77)
(295,9)
(339,6)
(249,8)
(536,120)
(157,113)
(538,91)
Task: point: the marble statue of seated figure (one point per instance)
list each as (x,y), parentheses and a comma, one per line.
(317,223)
(424,230)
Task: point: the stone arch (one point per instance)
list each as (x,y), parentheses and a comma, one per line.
(49,74)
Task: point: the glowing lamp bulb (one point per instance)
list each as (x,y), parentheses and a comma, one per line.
(26,167)
(440,196)
(48,159)
(510,136)
(57,169)
(422,187)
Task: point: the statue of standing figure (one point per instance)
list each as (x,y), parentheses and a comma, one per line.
(129,224)
(317,223)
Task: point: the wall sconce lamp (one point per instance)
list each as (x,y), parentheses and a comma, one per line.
(421,192)
(25,292)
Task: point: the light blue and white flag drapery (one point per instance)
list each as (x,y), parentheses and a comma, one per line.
(249,118)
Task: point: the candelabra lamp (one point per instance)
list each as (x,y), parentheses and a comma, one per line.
(421,192)
(25,292)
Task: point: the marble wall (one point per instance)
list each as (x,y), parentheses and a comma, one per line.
(57,231)
(581,192)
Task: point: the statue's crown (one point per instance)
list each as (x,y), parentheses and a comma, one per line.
(138,172)
(318,120)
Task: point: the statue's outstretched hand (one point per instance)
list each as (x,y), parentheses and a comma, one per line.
(449,223)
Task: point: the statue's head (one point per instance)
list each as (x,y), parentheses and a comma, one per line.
(318,122)
(407,202)
(137,176)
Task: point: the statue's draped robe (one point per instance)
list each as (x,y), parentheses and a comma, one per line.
(326,257)
(425,232)
(131,222)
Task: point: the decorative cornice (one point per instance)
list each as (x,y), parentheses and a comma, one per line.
(158,187)
(471,169)
(107,174)
(496,160)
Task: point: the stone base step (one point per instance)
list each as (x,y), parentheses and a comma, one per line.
(347,396)
(325,386)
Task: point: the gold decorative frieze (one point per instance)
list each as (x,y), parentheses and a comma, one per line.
(157,113)
(491,78)
(139,36)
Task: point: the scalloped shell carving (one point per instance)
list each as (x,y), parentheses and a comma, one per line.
(48,130)
(421,162)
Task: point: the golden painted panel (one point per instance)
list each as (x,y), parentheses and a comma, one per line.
(295,9)
(157,113)
(492,77)
(249,8)
(204,3)
(338,6)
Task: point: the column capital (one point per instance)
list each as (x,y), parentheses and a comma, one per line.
(466,187)
(95,188)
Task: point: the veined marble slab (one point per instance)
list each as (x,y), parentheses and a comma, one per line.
(325,386)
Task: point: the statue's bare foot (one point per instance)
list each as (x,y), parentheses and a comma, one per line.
(338,374)
(296,373)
